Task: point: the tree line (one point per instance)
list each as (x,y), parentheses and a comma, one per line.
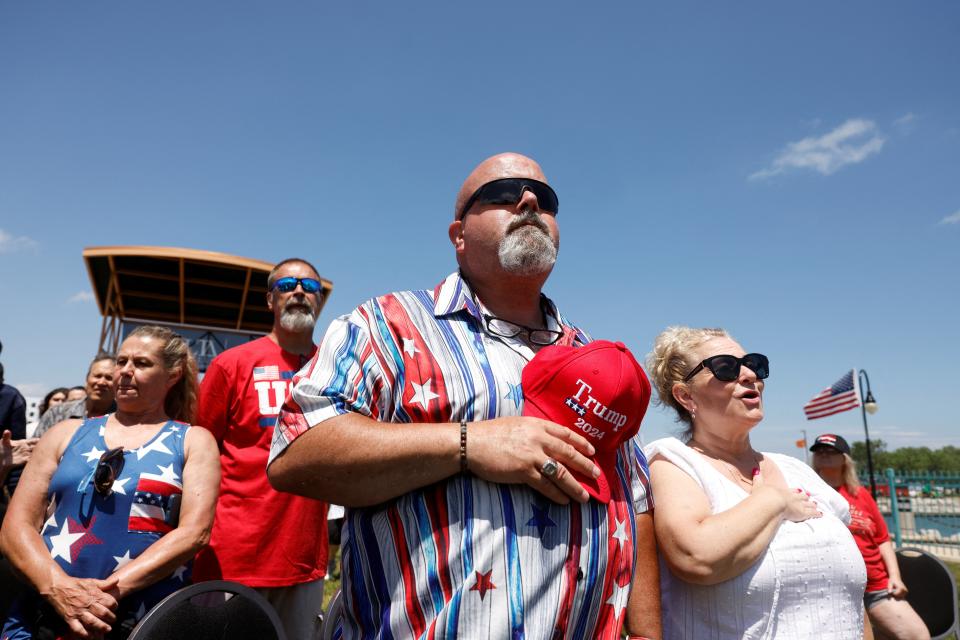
(943,460)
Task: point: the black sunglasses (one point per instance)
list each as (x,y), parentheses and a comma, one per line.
(727,368)
(509,191)
(109,467)
(286,285)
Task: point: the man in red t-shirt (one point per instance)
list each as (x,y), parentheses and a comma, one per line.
(275,542)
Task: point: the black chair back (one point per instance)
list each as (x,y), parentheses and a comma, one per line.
(215,610)
(932,590)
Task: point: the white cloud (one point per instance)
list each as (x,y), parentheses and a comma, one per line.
(905,119)
(81,296)
(953,218)
(906,123)
(851,143)
(10,243)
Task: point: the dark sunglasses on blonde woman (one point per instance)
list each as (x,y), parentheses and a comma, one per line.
(727,368)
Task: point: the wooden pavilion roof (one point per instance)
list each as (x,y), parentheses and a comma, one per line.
(183,286)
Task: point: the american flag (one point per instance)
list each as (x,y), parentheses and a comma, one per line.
(266,373)
(841,396)
(156,503)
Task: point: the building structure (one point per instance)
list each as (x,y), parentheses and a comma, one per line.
(214,300)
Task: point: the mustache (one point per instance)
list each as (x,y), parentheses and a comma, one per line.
(528,218)
(296,305)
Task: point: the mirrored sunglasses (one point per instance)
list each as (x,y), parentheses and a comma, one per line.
(286,285)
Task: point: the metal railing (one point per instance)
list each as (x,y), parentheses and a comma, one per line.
(922,509)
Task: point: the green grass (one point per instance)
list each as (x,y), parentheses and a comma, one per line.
(331,585)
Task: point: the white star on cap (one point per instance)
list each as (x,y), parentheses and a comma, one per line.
(93,455)
(60,544)
(422,393)
(157,445)
(621,533)
(122,560)
(410,347)
(178,574)
(618,599)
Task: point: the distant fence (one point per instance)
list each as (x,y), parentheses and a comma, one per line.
(921,509)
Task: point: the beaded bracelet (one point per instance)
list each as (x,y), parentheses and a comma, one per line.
(463,446)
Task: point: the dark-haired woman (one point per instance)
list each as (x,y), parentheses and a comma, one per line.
(52,399)
(111,509)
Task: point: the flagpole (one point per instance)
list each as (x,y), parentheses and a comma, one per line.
(862,375)
(806,449)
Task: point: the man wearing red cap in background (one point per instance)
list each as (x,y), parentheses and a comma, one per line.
(464,518)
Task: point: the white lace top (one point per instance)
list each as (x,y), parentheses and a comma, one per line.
(808,584)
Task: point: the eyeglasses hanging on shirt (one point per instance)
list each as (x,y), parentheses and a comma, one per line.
(507,329)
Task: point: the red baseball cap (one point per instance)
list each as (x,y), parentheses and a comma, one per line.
(598,390)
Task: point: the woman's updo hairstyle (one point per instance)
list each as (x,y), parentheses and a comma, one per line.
(181,401)
(671,360)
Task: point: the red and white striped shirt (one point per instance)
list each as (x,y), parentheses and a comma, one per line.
(463,557)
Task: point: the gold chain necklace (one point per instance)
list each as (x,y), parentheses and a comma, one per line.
(731,468)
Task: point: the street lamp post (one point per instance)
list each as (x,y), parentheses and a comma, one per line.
(869,405)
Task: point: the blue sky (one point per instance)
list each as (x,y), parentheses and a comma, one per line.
(787,172)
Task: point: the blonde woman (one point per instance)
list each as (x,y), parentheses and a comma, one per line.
(890,615)
(110,509)
(753,545)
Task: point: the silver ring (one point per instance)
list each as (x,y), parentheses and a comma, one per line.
(550,468)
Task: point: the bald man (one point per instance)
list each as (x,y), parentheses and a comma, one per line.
(410,416)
